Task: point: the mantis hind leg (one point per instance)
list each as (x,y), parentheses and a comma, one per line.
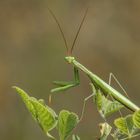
(111,75)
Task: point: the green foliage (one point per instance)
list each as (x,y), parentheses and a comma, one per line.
(105,130)
(26,100)
(47,118)
(125,127)
(136,118)
(75,137)
(44,115)
(66,123)
(105,106)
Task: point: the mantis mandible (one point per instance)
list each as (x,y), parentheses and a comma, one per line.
(95,80)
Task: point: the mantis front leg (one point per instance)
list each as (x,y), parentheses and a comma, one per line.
(63,85)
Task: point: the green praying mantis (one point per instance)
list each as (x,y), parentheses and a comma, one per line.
(96,82)
(107,99)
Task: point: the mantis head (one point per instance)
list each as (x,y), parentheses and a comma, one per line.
(69,59)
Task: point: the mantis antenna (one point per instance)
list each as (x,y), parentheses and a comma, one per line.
(61,31)
(69,51)
(73,44)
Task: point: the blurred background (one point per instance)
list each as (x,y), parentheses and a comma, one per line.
(32,56)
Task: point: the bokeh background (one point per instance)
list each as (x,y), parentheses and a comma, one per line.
(32,56)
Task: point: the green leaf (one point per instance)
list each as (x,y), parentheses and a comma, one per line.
(136,118)
(44,115)
(112,107)
(118,135)
(67,121)
(105,106)
(75,137)
(125,126)
(105,130)
(42,102)
(46,118)
(26,100)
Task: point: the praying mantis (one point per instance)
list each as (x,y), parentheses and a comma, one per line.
(125,127)
(96,81)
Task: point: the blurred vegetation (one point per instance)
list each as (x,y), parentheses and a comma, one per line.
(32,51)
